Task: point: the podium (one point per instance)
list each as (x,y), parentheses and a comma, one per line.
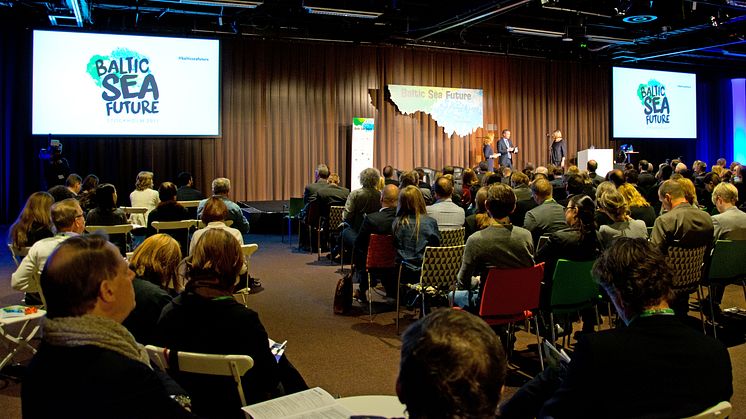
(603,156)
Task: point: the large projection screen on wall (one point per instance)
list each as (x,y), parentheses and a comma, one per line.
(653,104)
(124,85)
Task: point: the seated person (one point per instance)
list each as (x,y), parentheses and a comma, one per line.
(639,208)
(445,211)
(655,367)
(169,210)
(413,231)
(613,204)
(106,213)
(187,192)
(206,318)
(33,223)
(548,216)
(480,219)
(70,190)
(87,197)
(221,187)
(214,214)
(471,385)
(154,263)
(88,364)
(144,197)
(359,202)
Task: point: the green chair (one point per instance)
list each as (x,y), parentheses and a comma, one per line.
(727,265)
(573,289)
(294,207)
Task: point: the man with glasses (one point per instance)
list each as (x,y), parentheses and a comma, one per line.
(68,220)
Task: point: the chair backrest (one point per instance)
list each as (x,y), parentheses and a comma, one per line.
(189,204)
(650,231)
(573,286)
(687,265)
(440,266)
(248,250)
(511,292)
(295,205)
(173,225)
(201,224)
(134,210)
(209,364)
(719,411)
(117,229)
(381,252)
(728,260)
(452,237)
(335,216)
(17,254)
(313,214)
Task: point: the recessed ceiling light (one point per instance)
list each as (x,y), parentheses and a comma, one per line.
(640,19)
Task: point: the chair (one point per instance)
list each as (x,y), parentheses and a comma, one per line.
(201,224)
(172,228)
(335,219)
(381,255)
(727,265)
(189,204)
(687,264)
(294,207)
(225,365)
(313,222)
(512,295)
(18,254)
(138,212)
(15,342)
(247,250)
(440,266)
(720,410)
(112,231)
(452,237)
(573,289)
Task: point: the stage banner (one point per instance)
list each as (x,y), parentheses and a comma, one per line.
(456,110)
(361,149)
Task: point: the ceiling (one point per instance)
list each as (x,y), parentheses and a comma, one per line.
(708,33)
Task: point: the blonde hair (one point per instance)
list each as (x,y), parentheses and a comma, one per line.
(690,193)
(614,204)
(726,191)
(156,260)
(632,196)
(144,180)
(37,210)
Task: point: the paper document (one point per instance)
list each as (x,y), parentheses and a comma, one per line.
(277,348)
(315,403)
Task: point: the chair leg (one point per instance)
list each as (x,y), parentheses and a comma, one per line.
(701,311)
(538,343)
(712,312)
(318,243)
(342,257)
(551,326)
(370,301)
(598,318)
(398,291)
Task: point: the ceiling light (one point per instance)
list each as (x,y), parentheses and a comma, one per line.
(534,32)
(608,39)
(223,3)
(360,14)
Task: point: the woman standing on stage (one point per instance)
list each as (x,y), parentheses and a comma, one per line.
(558,149)
(489,154)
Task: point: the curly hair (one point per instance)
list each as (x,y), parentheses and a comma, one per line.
(637,272)
(470,385)
(614,204)
(369,177)
(144,180)
(632,196)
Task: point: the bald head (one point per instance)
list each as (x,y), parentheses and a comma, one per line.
(389,196)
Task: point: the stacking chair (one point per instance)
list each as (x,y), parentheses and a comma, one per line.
(313,223)
(688,265)
(440,266)
(727,265)
(294,207)
(201,224)
(573,289)
(381,256)
(17,254)
(247,250)
(453,237)
(512,295)
(136,215)
(179,230)
(191,207)
(16,341)
(115,231)
(208,364)
(335,219)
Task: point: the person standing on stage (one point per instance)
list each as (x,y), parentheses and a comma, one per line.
(505,149)
(558,149)
(489,153)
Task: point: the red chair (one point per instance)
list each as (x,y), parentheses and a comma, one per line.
(381,255)
(512,295)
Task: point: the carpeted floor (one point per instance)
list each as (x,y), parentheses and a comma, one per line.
(346,355)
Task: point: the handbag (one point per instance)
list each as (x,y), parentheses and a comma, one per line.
(343,294)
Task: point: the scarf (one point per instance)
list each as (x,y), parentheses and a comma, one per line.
(94,331)
(204,283)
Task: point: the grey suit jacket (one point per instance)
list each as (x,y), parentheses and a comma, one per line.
(730,225)
(687,225)
(546,218)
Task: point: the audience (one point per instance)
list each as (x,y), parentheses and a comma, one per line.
(70,190)
(655,367)
(214,214)
(615,206)
(206,318)
(639,208)
(87,197)
(682,224)
(144,197)
(221,187)
(33,223)
(444,211)
(360,202)
(469,187)
(186,190)
(592,166)
(470,386)
(388,175)
(68,220)
(480,219)
(169,210)
(601,217)
(331,195)
(106,213)
(499,245)
(413,231)
(375,223)
(548,216)
(320,175)
(88,365)
(154,262)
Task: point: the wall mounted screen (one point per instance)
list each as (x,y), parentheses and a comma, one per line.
(123,85)
(653,104)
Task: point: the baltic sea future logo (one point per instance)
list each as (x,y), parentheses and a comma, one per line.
(129,87)
(655,102)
